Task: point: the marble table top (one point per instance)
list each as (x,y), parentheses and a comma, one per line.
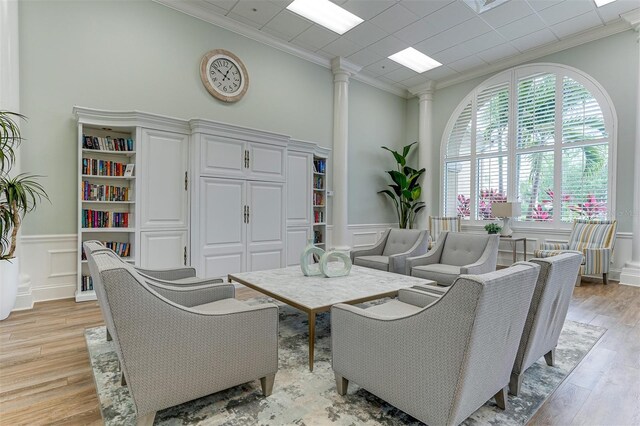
(318,293)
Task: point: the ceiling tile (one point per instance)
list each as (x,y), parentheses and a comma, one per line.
(612,11)
(342,47)
(316,37)
(367,9)
(522,27)
(244,20)
(484,41)
(395,18)
(365,57)
(224,4)
(400,74)
(496,53)
(415,80)
(452,54)
(577,24)
(391,82)
(542,4)
(423,8)
(256,11)
(441,20)
(467,63)
(536,39)
(365,34)
(383,67)
(439,73)
(453,36)
(287,25)
(506,12)
(388,46)
(565,10)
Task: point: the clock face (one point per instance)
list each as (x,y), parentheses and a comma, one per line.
(224,75)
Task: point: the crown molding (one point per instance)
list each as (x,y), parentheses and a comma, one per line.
(423,88)
(633,18)
(615,27)
(199,9)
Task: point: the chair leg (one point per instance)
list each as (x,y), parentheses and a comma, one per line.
(267,384)
(515,384)
(501,398)
(342,384)
(109,338)
(146,420)
(123,380)
(579,279)
(604,279)
(550,357)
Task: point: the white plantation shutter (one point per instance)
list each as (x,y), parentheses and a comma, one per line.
(536,134)
(457,193)
(492,123)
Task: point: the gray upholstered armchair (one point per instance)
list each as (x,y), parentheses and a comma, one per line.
(393,249)
(456,253)
(547,313)
(436,358)
(171,353)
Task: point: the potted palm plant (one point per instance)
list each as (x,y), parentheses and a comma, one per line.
(19,195)
(406,188)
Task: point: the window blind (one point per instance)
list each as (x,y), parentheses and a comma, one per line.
(584,182)
(459,143)
(457,193)
(492,185)
(492,123)
(582,118)
(535,185)
(536,99)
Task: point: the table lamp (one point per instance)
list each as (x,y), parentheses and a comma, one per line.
(505,211)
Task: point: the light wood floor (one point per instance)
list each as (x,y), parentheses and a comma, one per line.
(45,377)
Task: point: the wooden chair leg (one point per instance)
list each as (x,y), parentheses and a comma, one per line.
(604,279)
(579,279)
(550,357)
(342,384)
(267,384)
(515,384)
(146,420)
(501,398)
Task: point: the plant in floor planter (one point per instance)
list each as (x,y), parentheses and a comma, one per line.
(406,188)
(19,195)
(492,228)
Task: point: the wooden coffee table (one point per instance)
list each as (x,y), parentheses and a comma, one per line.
(317,294)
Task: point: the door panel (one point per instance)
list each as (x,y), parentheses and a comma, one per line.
(296,242)
(266,162)
(164,201)
(163,249)
(261,261)
(298,189)
(266,227)
(222,157)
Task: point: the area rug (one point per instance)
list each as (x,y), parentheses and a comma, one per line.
(301,397)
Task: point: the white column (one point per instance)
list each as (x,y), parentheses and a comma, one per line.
(631,272)
(426,151)
(341,73)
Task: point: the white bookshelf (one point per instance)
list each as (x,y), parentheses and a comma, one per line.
(102,190)
(319,201)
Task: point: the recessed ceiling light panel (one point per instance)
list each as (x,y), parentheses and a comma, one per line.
(415,60)
(327,14)
(601,3)
(480,6)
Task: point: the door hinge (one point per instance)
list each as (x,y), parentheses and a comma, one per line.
(186,180)
(248,214)
(246,158)
(185,255)
(244,218)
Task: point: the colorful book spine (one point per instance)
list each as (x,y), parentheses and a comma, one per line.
(107,143)
(104,219)
(95,167)
(93,192)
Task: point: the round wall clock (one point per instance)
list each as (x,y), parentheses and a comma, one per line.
(224,75)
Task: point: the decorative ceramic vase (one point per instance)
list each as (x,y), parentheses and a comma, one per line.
(334,254)
(310,250)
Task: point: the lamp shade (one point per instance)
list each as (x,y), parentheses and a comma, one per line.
(505,209)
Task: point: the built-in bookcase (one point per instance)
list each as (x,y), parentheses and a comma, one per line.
(107,195)
(319,201)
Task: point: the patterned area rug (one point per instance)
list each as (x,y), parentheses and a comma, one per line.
(301,397)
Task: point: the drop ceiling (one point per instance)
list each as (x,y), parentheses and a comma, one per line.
(450,31)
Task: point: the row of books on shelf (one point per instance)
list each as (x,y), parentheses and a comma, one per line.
(104,219)
(317,237)
(95,167)
(107,143)
(122,249)
(318,216)
(318,199)
(87,283)
(318,182)
(93,192)
(319,165)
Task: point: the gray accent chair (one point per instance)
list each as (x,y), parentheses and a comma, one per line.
(171,352)
(393,249)
(456,253)
(436,358)
(547,313)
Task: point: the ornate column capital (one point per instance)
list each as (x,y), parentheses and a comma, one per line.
(424,91)
(343,69)
(633,18)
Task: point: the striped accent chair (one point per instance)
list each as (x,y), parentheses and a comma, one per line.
(594,239)
(439,224)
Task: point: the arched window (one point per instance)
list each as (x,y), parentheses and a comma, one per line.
(540,134)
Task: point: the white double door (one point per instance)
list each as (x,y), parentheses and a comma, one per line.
(242,226)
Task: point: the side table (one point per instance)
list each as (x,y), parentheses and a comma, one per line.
(514,245)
